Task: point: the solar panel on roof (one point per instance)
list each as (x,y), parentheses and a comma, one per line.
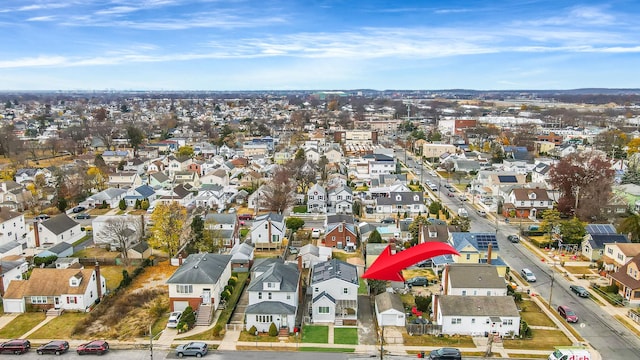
(507,178)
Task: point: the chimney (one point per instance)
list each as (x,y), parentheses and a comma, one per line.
(269,230)
(489,254)
(434,307)
(36,233)
(420,233)
(300,264)
(1,283)
(445,279)
(98,280)
(179,259)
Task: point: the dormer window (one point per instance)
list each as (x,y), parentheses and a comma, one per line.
(416,198)
(398,198)
(532,196)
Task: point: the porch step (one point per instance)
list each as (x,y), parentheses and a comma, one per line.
(205,313)
(284,332)
(54,312)
(338,322)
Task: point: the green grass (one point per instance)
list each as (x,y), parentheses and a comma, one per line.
(541,340)
(243,233)
(21,324)
(362,287)
(431,340)
(84,238)
(300,209)
(330,350)
(315,334)
(59,328)
(533,315)
(347,336)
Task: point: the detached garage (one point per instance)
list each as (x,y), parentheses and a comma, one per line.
(12,301)
(389,310)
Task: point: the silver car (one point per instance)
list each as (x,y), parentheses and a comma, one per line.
(196,348)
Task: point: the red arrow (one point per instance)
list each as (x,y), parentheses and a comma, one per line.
(389,267)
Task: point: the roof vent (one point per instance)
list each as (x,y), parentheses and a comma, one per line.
(195,266)
(204,259)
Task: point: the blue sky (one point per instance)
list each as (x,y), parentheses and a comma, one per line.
(318,44)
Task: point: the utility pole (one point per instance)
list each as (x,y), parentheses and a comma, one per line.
(381,342)
(151,337)
(553,277)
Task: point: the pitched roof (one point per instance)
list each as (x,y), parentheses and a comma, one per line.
(598,240)
(409,197)
(623,277)
(59,224)
(6,214)
(334,269)
(271,307)
(339,218)
(388,301)
(523,194)
(285,274)
(480,241)
(49,282)
(475,276)
(202,268)
(457,305)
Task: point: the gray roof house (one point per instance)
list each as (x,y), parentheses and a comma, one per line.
(241,257)
(199,282)
(477,315)
(273,298)
(473,280)
(334,287)
(389,310)
(60,228)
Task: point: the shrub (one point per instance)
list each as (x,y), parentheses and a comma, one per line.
(422,303)
(225,295)
(217,329)
(188,317)
(228,288)
(273,330)
(252,330)
(233,281)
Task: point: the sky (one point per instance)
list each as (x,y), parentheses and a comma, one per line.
(318,44)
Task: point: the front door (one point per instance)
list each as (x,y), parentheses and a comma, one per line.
(206,296)
(56,302)
(284,323)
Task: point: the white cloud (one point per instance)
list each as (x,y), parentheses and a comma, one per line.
(42,18)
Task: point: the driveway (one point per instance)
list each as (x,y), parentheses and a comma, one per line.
(367,333)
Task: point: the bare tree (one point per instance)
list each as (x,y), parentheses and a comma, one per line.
(123,231)
(279,194)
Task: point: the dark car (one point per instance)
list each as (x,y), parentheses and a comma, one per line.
(94,347)
(581,291)
(16,346)
(567,314)
(388,221)
(513,238)
(79,209)
(53,347)
(43,217)
(83,216)
(418,281)
(445,354)
(196,348)
(245,217)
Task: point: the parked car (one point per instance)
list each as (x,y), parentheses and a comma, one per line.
(450,194)
(43,217)
(293,250)
(174,319)
(568,314)
(528,275)
(83,216)
(445,354)
(79,209)
(315,233)
(513,238)
(94,347)
(53,347)
(425,263)
(196,348)
(245,217)
(16,346)
(388,221)
(581,291)
(462,198)
(482,213)
(418,281)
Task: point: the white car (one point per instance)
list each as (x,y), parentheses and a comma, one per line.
(174,319)
(315,233)
(528,275)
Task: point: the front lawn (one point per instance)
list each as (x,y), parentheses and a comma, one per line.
(113,274)
(343,256)
(347,336)
(21,325)
(533,315)
(59,328)
(315,334)
(541,340)
(431,340)
(362,287)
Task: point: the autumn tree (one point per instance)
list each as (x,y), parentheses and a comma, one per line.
(584,181)
(612,142)
(573,231)
(122,231)
(550,219)
(185,151)
(135,136)
(633,146)
(280,193)
(168,221)
(631,226)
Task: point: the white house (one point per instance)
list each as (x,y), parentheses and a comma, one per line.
(110,196)
(334,285)
(116,231)
(60,228)
(340,200)
(317,199)
(473,280)
(11,268)
(477,315)
(389,310)
(65,289)
(273,298)
(311,254)
(268,231)
(12,226)
(199,280)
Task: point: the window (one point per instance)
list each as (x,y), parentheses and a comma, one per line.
(507,322)
(473,321)
(464,292)
(72,300)
(264,318)
(323,310)
(345,290)
(288,296)
(488,292)
(269,285)
(316,290)
(38,299)
(259,296)
(468,256)
(620,257)
(269,296)
(456,321)
(610,251)
(184,289)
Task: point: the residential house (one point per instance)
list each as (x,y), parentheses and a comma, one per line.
(155,167)
(178,194)
(616,255)
(196,167)
(110,197)
(597,235)
(60,228)
(12,267)
(526,203)
(117,231)
(187,177)
(255,200)
(242,256)
(160,180)
(139,251)
(312,155)
(200,280)
(148,152)
(333,155)
(273,298)
(340,200)
(411,202)
(341,235)
(136,165)
(477,315)
(12,227)
(473,280)
(267,231)
(115,157)
(334,293)
(14,196)
(310,254)
(317,199)
(144,192)
(26,175)
(224,229)
(627,278)
(60,250)
(68,262)
(61,289)
(389,310)
(477,248)
(124,180)
(175,164)
(216,176)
